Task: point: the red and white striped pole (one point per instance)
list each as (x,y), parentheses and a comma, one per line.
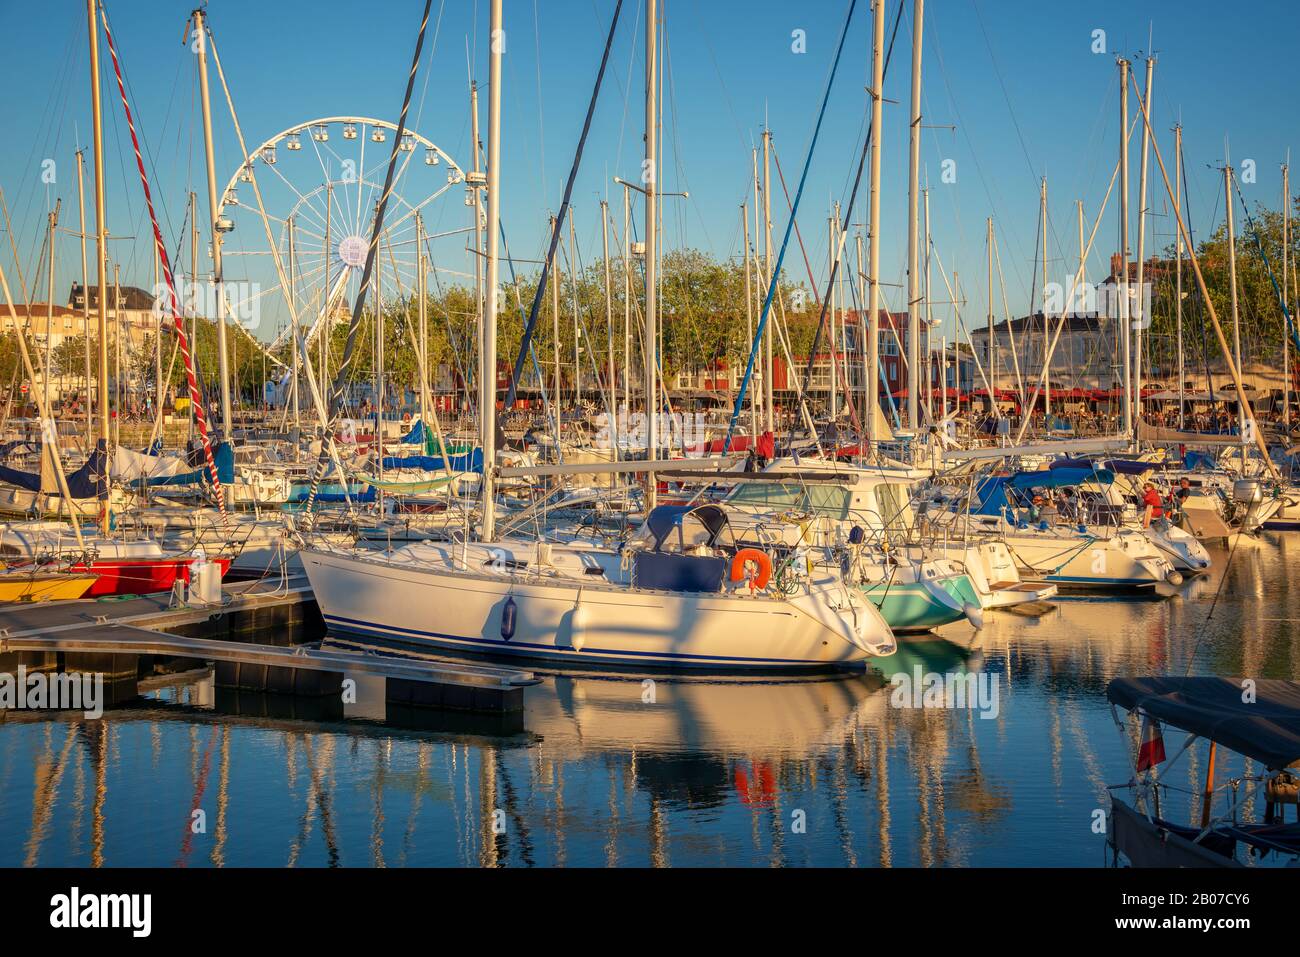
(196,400)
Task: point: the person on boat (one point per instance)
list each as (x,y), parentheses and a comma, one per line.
(1178,497)
(1152,504)
(1067,505)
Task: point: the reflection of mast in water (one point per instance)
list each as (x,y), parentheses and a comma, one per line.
(45,794)
(658,834)
(558,815)
(78,804)
(511,807)
(880,758)
(1054,735)
(200,785)
(839,806)
(929,744)
(94,735)
(611,832)
(317,798)
(488,855)
(423,761)
(377,795)
(223,801)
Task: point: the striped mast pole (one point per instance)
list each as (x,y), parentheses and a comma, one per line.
(196,398)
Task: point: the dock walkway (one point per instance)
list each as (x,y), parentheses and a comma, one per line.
(96,633)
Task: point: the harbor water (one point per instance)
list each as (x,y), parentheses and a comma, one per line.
(661,770)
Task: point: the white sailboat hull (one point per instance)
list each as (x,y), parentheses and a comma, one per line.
(563,619)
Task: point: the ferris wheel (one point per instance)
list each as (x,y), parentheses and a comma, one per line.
(321,182)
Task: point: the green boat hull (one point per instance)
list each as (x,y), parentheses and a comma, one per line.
(914,607)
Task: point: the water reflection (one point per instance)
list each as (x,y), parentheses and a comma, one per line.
(649,770)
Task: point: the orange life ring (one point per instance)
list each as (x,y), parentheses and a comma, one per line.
(759,558)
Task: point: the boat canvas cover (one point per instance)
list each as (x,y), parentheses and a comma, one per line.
(1266,729)
(470,462)
(85,482)
(223,456)
(992,491)
(1118,466)
(129,465)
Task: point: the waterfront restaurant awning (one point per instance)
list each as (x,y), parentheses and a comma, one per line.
(954,394)
(1002,395)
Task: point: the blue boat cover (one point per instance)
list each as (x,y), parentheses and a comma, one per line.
(1119,466)
(993,495)
(86,482)
(471,462)
(223,456)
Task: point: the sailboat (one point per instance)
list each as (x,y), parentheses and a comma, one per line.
(680,595)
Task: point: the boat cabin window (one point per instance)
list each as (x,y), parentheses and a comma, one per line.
(831,501)
(893,505)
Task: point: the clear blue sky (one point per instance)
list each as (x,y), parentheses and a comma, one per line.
(1017,78)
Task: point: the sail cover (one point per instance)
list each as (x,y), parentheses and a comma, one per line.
(1265,727)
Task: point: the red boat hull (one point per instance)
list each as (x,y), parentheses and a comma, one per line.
(141,576)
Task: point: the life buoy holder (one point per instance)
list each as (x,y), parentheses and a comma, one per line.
(760,559)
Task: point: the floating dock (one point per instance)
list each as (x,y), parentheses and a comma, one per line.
(111,636)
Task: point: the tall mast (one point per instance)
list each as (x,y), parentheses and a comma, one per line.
(1286,311)
(101,253)
(1047,370)
(768,373)
(627,301)
(53,223)
(830,226)
(294,312)
(929,359)
(609,327)
(200,29)
(159,391)
(117,340)
(761,382)
(488,368)
(749,316)
(555,329)
(379,370)
(650,176)
(577,325)
(327,253)
(1232,278)
(194,285)
(872,328)
(85,275)
(913,196)
(422,313)
(1178,267)
(1083,250)
(993,348)
(477,213)
(862,324)
(1122,279)
(1142,318)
